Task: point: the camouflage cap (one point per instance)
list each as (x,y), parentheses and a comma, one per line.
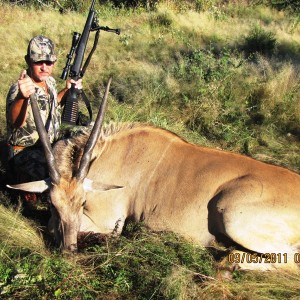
(41,48)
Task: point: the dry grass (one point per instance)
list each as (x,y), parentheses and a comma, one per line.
(249,285)
(18,232)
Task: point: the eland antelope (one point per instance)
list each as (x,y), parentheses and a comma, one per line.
(145,173)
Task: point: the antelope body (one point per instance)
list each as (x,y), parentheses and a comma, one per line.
(150,174)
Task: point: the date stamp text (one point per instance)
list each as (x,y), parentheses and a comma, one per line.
(256,258)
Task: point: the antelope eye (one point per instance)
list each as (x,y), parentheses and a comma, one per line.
(83,204)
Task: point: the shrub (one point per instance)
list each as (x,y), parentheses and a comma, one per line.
(161,19)
(292,5)
(259,41)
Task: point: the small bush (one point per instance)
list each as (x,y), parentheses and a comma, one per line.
(149,4)
(259,41)
(292,5)
(161,19)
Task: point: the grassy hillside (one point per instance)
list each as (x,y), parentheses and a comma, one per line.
(220,75)
(226,77)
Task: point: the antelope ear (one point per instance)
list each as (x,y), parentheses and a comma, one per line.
(34,186)
(92,186)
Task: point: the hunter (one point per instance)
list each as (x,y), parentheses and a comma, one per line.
(26,156)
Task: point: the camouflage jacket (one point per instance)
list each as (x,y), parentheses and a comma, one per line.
(50,112)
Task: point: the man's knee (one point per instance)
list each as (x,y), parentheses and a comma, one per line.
(29,165)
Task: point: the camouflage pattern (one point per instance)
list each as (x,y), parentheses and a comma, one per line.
(41,48)
(29,165)
(50,112)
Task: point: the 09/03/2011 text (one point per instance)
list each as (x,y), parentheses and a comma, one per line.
(261,258)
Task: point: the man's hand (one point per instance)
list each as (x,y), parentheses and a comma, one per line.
(26,86)
(78,83)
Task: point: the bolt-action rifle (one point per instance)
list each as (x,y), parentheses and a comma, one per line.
(76,70)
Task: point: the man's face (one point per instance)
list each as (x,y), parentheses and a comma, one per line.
(41,70)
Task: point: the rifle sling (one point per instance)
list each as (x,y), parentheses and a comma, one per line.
(87,103)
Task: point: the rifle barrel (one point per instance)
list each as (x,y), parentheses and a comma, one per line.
(77,64)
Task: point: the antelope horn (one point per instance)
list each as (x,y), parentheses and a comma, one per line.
(88,149)
(53,173)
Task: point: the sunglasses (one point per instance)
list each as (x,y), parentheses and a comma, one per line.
(46,62)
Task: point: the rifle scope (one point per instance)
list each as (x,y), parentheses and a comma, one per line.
(75,40)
